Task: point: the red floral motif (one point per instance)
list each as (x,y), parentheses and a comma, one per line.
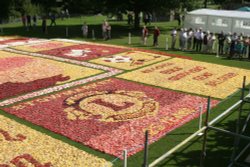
(18,161)
(7,136)
(59,113)
(221,79)
(13,62)
(48,45)
(186,73)
(14,40)
(11,89)
(88,51)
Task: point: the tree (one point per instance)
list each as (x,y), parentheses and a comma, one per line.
(138,6)
(5,4)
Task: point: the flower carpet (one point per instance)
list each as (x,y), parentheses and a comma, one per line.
(111,115)
(15,41)
(22,146)
(102,96)
(191,76)
(20,73)
(83,51)
(47,45)
(130,60)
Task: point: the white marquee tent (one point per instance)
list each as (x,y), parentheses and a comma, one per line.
(218,20)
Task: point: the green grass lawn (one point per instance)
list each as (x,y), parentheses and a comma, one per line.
(219,145)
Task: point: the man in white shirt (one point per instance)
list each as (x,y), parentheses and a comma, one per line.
(190,38)
(173,36)
(200,36)
(184,39)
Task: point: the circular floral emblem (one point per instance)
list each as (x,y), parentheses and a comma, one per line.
(110,106)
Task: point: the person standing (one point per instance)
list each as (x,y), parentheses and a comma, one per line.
(130,18)
(85,30)
(181,39)
(190,37)
(228,43)
(200,36)
(104,29)
(205,41)
(62,14)
(44,25)
(144,35)
(24,20)
(156,35)
(67,13)
(34,18)
(232,45)
(173,36)
(28,21)
(195,39)
(108,31)
(178,18)
(184,39)
(221,38)
(248,49)
(53,19)
(213,42)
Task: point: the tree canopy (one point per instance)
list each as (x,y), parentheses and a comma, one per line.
(4,9)
(96,6)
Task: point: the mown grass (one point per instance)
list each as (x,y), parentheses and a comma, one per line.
(219,146)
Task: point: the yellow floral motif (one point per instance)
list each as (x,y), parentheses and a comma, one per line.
(191,76)
(43,46)
(111,106)
(130,60)
(43,148)
(156,127)
(8,37)
(40,68)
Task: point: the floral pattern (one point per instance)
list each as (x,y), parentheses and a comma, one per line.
(45,80)
(22,146)
(16,41)
(83,51)
(191,76)
(111,115)
(130,60)
(47,45)
(21,74)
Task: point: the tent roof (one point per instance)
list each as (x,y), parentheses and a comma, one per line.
(245,8)
(222,13)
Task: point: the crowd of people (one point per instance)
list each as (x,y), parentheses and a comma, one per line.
(231,45)
(228,44)
(28,19)
(145,34)
(31,21)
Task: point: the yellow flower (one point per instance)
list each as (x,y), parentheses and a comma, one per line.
(130,60)
(191,76)
(40,147)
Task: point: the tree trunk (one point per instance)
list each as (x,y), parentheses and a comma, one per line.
(137,20)
(205,3)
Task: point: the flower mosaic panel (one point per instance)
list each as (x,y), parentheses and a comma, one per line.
(22,147)
(48,45)
(191,76)
(84,51)
(21,74)
(111,115)
(130,60)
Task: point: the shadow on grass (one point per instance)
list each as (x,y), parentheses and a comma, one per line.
(219,147)
(74,31)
